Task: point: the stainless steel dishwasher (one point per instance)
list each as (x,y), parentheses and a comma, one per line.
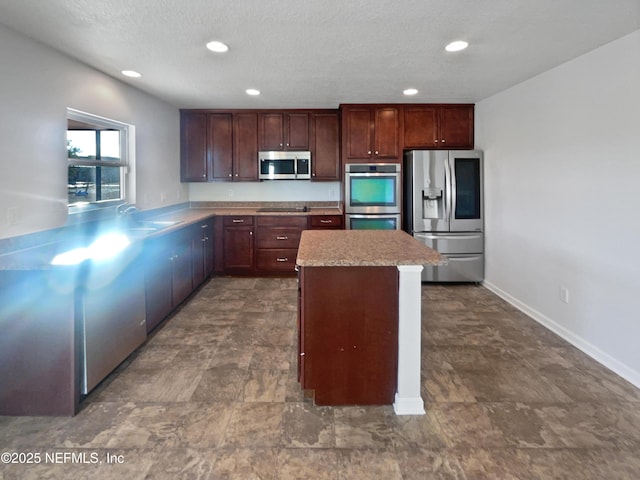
(110,310)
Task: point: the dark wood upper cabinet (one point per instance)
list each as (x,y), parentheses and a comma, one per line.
(325,150)
(245,146)
(193,147)
(284,131)
(438,126)
(456,126)
(220,144)
(371,132)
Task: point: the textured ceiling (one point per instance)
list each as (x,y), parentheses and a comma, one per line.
(303,53)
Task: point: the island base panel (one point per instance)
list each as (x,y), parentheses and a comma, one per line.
(349,334)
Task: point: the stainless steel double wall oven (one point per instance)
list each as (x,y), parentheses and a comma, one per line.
(373,193)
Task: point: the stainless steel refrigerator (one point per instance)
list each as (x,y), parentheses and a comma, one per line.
(443,208)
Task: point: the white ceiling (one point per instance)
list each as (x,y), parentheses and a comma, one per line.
(318,54)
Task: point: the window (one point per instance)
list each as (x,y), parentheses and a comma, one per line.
(97,149)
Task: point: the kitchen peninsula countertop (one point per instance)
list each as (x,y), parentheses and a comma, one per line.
(38,256)
(344,248)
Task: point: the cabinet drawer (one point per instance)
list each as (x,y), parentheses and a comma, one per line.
(326,221)
(238,220)
(282,221)
(283,260)
(278,238)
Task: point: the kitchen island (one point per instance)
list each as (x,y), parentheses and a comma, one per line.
(359,317)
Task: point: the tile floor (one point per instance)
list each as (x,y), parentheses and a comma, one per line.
(213,394)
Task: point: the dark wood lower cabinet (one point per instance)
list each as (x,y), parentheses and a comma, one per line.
(264,244)
(348,334)
(237,243)
(170,276)
(39,349)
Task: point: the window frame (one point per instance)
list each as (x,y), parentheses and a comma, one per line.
(124,164)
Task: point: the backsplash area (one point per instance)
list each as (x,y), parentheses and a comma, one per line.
(267,191)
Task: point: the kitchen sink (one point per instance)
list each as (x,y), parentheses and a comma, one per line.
(146,227)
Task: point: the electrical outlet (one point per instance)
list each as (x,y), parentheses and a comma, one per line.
(230,192)
(331,192)
(564,294)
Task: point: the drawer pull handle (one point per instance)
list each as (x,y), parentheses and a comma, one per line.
(235,220)
(282,259)
(282,237)
(326,221)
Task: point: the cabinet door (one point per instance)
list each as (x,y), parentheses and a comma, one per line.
(271,131)
(193,147)
(325,158)
(238,248)
(208,247)
(386,128)
(158,281)
(456,126)
(221,145)
(197,255)
(420,127)
(357,132)
(202,252)
(297,131)
(245,152)
(181,273)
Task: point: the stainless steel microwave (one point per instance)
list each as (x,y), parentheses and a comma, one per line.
(284,165)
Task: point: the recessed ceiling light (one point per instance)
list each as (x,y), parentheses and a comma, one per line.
(456,46)
(252,91)
(217,47)
(131,73)
(410,91)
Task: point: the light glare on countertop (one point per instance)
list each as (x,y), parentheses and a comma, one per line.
(103,248)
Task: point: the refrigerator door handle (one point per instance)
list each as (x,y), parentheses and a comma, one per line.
(454,194)
(448,191)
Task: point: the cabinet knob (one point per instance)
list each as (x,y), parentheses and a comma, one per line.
(287,144)
(369,152)
(376,152)
(236,174)
(436,141)
(443,140)
(230,174)
(204,175)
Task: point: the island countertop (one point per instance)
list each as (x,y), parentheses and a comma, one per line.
(344,248)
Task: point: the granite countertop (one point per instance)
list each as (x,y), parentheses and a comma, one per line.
(345,248)
(37,257)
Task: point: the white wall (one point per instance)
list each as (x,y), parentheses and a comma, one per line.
(268,191)
(562,153)
(37,85)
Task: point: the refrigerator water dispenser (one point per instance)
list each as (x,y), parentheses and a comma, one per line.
(432,203)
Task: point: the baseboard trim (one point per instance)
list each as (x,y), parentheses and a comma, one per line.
(408,406)
(577,341)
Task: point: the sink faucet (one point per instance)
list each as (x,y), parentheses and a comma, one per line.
(125,209)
